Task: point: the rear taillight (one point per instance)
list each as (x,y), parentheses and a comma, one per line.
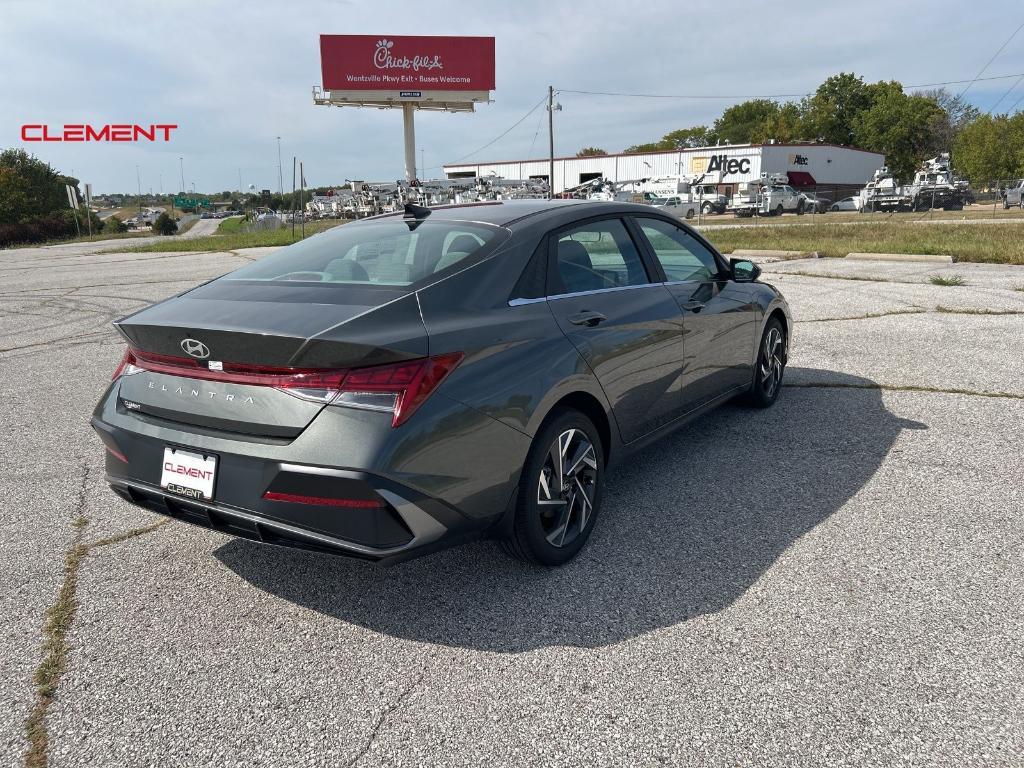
(127,365)
(398,388)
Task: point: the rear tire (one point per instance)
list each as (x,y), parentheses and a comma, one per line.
(770,366)
(689,213)
(559,491)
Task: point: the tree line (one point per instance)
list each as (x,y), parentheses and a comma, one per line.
(881,117)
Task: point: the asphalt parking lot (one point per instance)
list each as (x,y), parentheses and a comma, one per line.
(835,581)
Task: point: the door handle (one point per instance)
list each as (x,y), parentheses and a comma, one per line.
(693,306)
(587,318)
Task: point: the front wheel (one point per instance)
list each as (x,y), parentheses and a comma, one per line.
(706,208)
(771,364)
(559,491)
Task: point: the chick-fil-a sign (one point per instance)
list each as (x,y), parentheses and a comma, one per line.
(422,63)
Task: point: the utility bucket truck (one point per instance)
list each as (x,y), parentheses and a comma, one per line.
(769,195)
(934,186)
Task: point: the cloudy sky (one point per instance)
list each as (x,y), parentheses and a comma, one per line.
(234,75)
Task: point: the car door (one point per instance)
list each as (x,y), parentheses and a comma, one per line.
(719,315)
(625,324)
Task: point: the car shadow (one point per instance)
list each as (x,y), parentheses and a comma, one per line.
(687,526)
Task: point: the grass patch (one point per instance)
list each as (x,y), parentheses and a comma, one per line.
(230,226)
(947,280)
(1001,244)
(233,240)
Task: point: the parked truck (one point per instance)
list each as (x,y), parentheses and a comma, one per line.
(934,186)
(769,195)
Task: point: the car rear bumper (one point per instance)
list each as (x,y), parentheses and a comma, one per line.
(349,485)
(427,533)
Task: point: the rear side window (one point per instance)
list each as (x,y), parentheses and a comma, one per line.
(681,255)
(596,256)
(391,252)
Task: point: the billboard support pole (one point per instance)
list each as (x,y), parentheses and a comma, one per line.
(408,121)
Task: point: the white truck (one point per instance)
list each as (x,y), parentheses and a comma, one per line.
(769,195)
(1014,195)
(688,189)
(677,205)
(934,186)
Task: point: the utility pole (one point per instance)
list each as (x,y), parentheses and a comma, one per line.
(138,183)
(181,164)
(423,165)
(302,197)
(294,200)
(239,181)
(551,142)
(280,178)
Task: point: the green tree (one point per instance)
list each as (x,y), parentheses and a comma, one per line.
(29,187)
(652,146)
(957,114)
(740,123)
(785,125)
(898,125)
(697,136)
(165,225)
(831,113)
(591,152)
(114,225)
(991,149)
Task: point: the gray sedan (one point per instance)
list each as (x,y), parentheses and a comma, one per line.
(412,380)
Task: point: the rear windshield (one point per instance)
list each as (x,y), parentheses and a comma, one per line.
(387,253)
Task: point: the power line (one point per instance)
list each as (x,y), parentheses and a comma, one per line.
(1018,101)
(495,139)
(982,71)
(993,107)
(734,97)
(677,96)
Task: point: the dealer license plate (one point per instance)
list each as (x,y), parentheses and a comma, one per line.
(188,474)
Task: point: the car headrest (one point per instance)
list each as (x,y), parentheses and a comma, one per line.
(462,244)
(571,252)
(346,269)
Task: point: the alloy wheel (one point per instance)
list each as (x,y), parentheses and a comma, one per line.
(565,489)
(771,361)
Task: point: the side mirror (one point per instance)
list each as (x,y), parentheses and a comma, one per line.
(744,271)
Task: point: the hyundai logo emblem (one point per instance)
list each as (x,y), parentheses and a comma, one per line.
(195,348)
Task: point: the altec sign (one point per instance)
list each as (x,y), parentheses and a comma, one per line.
(86,132)
(374,63)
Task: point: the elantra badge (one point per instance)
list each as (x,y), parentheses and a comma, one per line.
(195,348)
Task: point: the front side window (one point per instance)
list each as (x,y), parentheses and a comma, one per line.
(390,252)
(596,256)
(682,256)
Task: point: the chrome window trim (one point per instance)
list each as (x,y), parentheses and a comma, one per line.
(558,296)
(524,302)
(666,284)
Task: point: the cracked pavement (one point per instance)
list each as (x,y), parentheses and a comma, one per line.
(834,581)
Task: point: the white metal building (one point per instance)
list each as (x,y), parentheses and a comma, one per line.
(808,166)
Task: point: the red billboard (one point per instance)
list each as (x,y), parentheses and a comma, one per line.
(410,63)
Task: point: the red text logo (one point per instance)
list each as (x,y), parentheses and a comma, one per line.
(86,132)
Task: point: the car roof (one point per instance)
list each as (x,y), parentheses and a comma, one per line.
(505,212)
